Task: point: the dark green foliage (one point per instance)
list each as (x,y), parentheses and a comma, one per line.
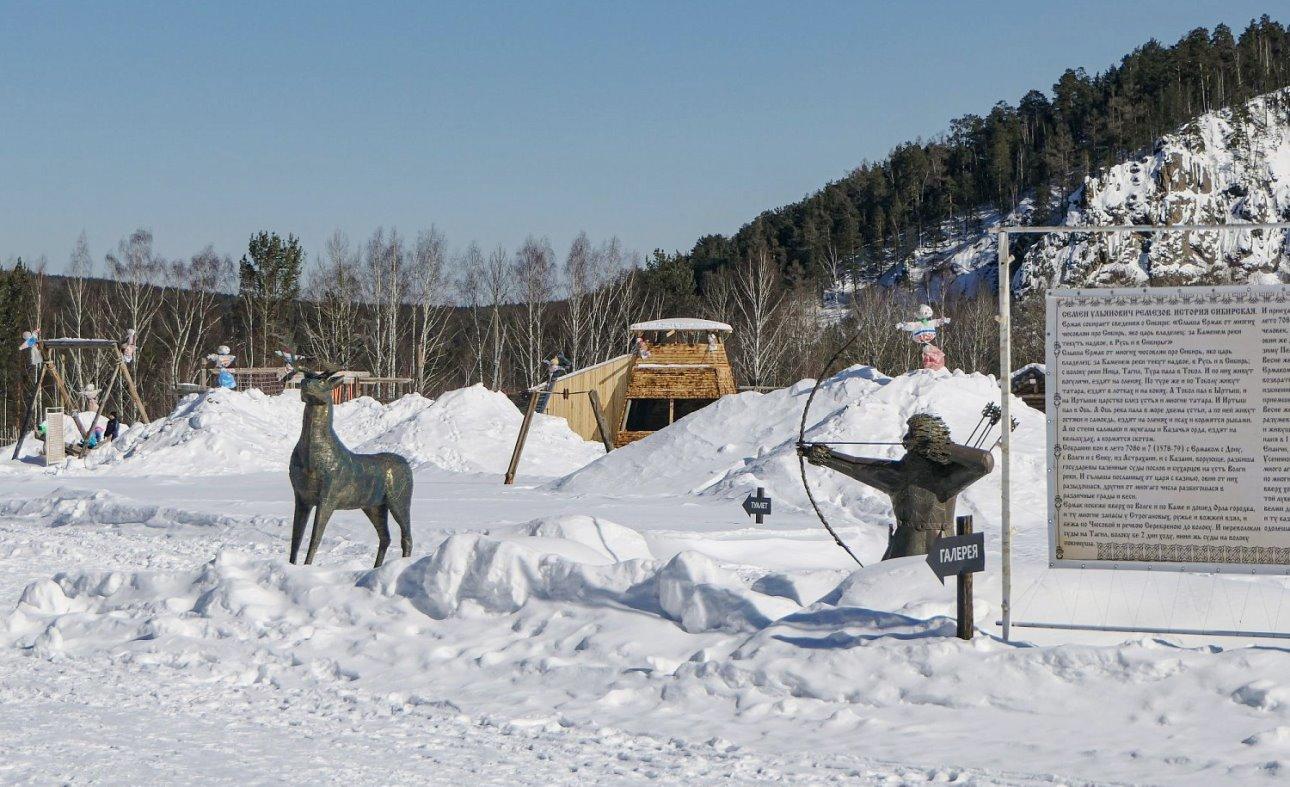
(17,294)
(1043,146)
(269,283)
(670,280)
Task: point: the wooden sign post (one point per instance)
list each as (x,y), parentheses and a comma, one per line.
(960,556)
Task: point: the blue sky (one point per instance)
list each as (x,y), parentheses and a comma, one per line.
(654,121)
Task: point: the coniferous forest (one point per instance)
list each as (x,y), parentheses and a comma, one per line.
(411,306)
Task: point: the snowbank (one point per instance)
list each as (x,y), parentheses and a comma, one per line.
(704,447)
(680,647)
(473,430)
(749,440)
(222,431)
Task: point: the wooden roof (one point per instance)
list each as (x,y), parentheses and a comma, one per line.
(82,344)
(681,324)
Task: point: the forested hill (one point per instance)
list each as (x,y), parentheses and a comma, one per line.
(1042,147)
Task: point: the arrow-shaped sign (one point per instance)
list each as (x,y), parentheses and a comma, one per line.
(953,555)
(757,505)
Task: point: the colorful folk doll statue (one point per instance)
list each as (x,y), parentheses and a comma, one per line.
(290,360)
(923,331)
(128,347)
(31,343)
(223,359)
(91,394)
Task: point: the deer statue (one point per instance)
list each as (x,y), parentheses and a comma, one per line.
(329,477)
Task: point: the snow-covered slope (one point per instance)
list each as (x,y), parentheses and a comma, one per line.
(1231,166)
(1226,167)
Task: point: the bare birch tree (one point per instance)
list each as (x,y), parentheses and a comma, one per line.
(77,317)
(335,294)
(386,291)
(534,289)
(428,289)
(579,274)
(134,297)
(189,311)
(758,329)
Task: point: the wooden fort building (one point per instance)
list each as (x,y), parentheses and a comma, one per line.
(675,367)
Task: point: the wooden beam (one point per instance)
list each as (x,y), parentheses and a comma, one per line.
(28,416)
(519,441)
(601,422)
(966,624)
(66,395)
(129,381)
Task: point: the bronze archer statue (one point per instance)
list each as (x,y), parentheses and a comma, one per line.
(923,485)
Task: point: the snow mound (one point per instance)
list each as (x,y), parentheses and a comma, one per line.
(599,540)
(66,506)
(704,447)
(473,430)
(749,440)
(501,576)
(663,647)
(222,431)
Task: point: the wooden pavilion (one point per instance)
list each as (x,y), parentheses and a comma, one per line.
(676,366)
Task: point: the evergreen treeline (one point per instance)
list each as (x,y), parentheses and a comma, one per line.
(1043,147)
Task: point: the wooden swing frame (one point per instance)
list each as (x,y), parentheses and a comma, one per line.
(48,350)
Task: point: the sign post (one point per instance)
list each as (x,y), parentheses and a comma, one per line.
(757,506)
(960,555)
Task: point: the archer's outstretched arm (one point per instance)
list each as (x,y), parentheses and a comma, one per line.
(971,464)
(881,474)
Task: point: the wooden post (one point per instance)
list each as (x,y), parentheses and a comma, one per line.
(966,623)
(29,416)
(134,392)
(66,395)
(107,396)
(601,422)
(519,441)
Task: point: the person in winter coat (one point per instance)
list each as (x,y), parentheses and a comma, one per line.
(113,426)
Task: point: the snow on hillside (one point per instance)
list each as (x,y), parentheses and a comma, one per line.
(221,431)
(1226,167)
(1230,166)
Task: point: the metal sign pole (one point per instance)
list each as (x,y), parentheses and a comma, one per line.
(1005,397)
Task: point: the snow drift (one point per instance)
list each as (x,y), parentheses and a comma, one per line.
(221,431)
(749,440)
(680,647)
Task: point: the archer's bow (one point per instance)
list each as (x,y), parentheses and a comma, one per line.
(801,444)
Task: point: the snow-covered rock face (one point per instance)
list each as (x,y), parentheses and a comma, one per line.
(1225,167)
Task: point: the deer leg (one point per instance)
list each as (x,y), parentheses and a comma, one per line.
(298,527)
(321,515)
(399,510)
(381,521)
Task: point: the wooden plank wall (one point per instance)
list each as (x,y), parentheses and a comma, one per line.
(698,373)
(609,379)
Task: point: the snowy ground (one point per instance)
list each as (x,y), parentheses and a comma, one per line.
(624,622)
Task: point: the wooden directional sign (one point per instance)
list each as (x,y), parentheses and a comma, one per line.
(953,555)
(757,505)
